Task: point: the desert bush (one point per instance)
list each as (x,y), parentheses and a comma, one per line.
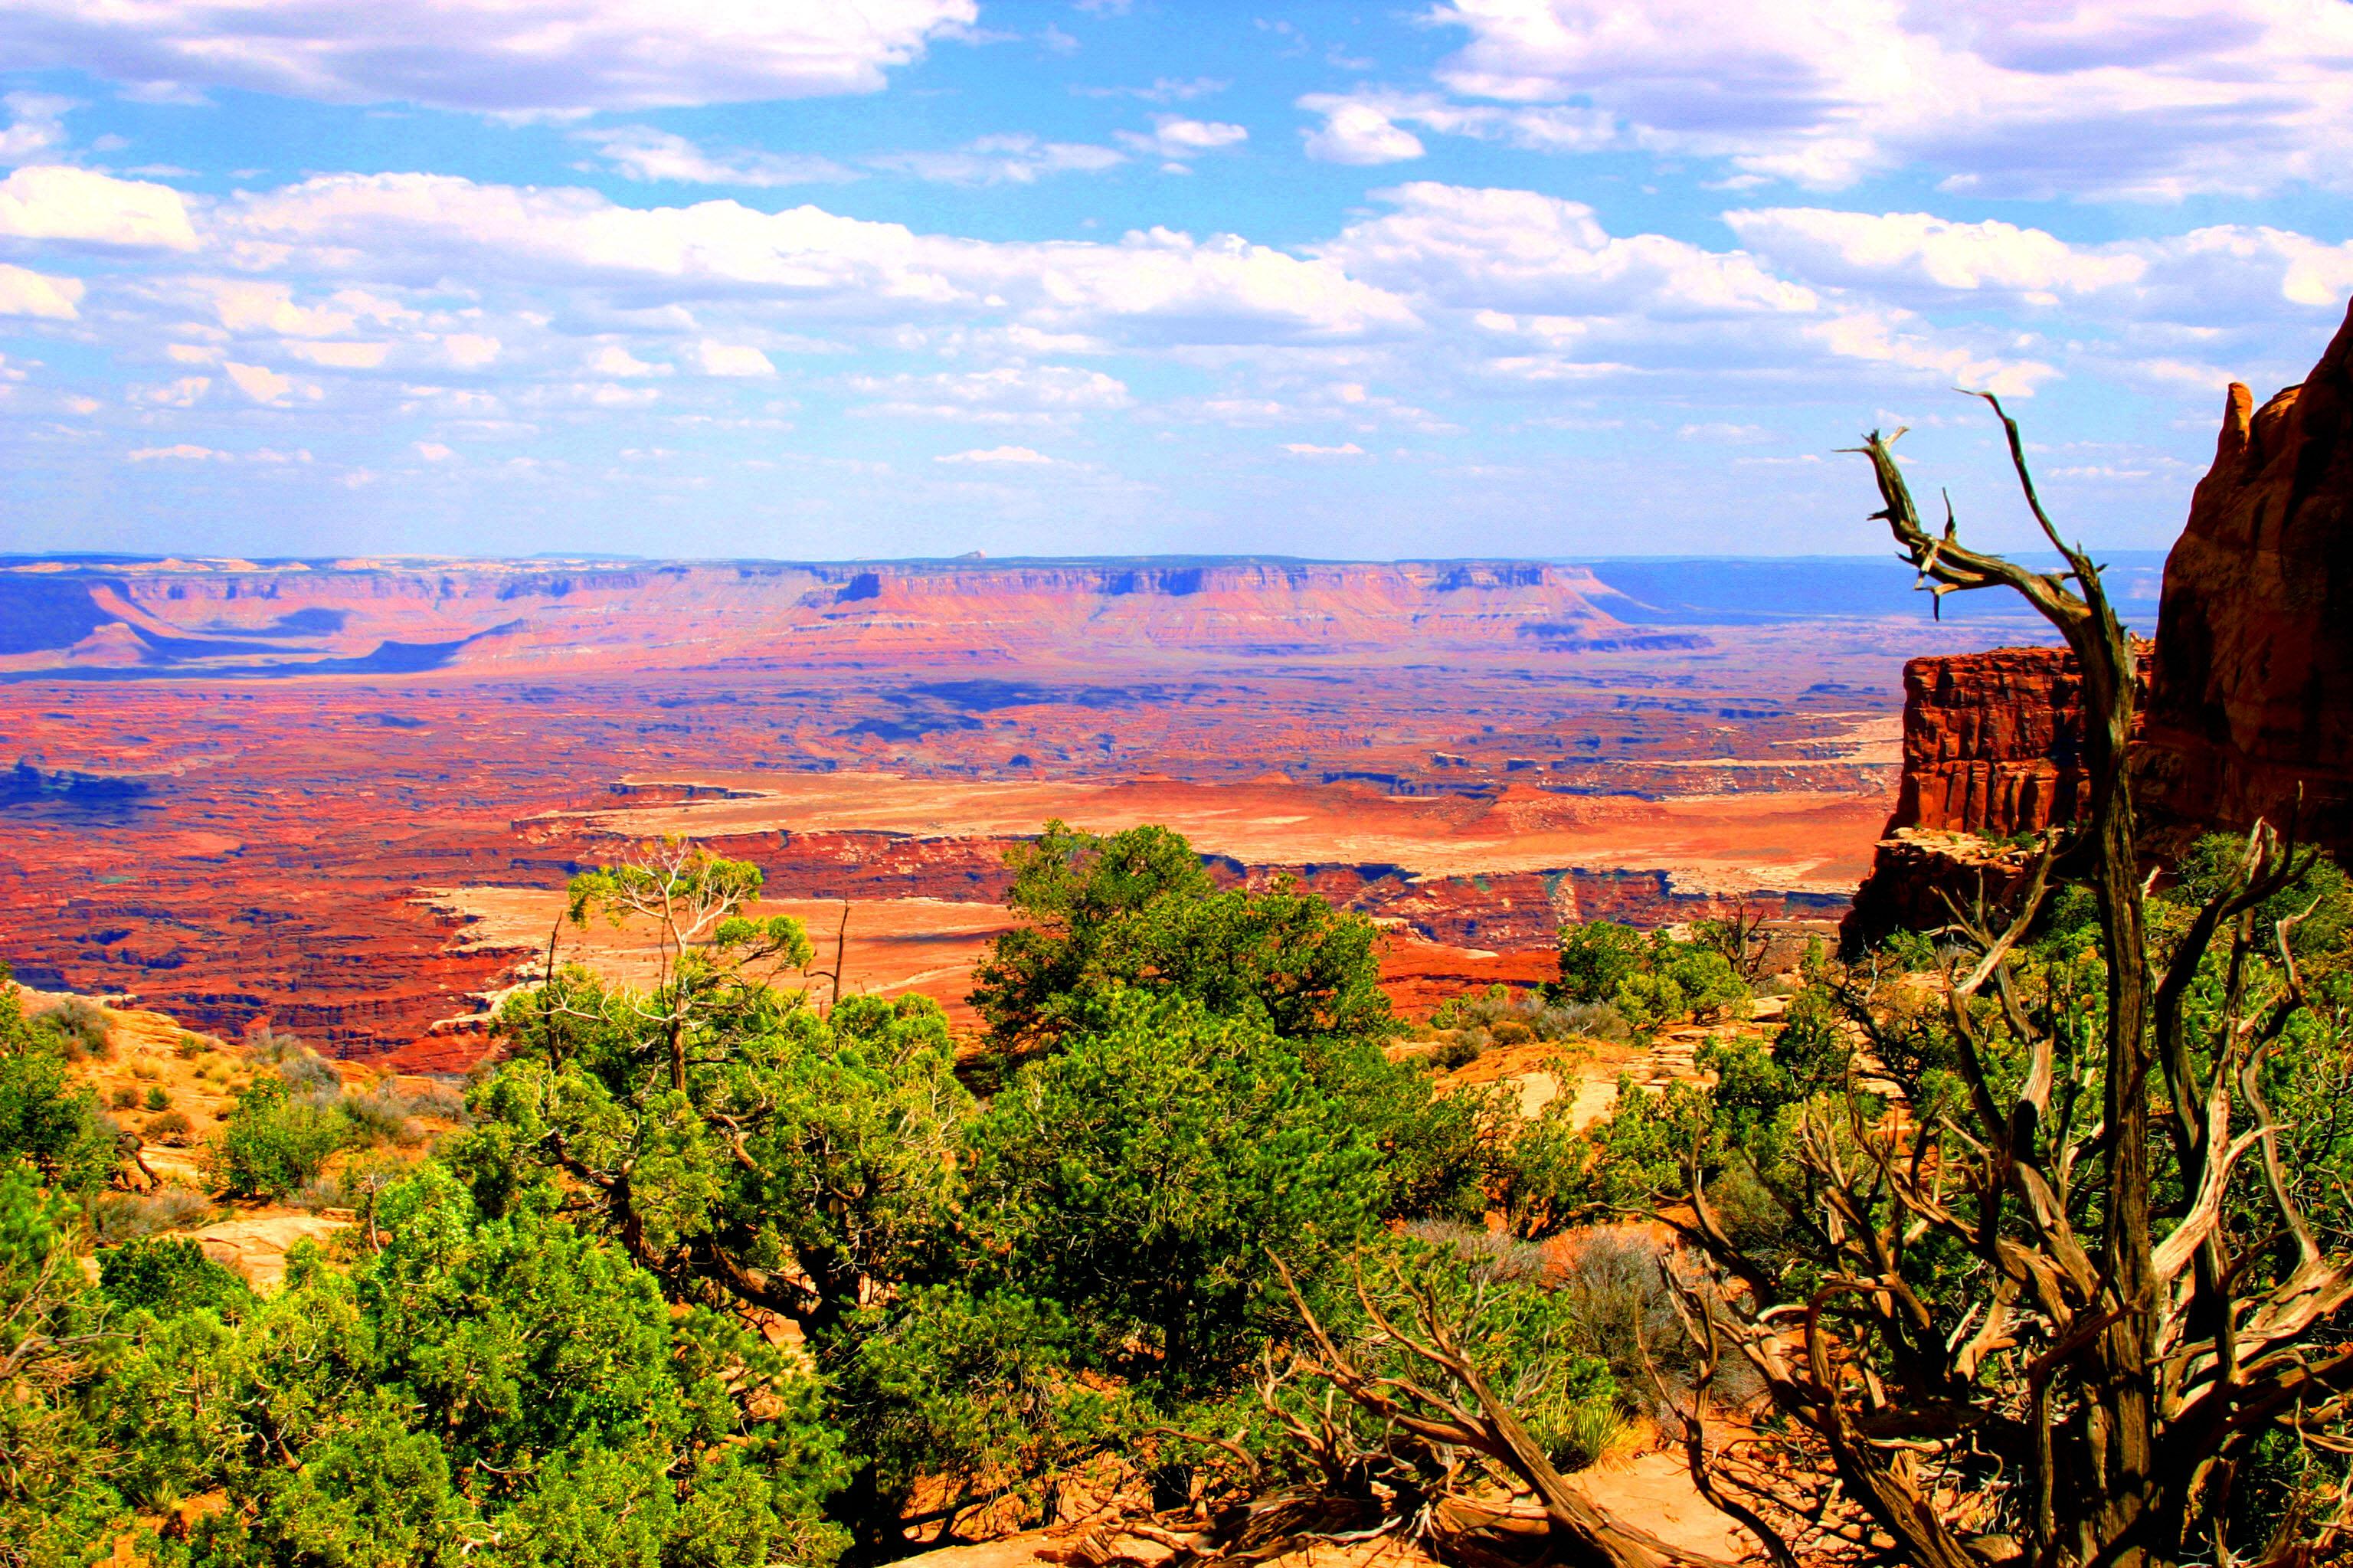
(169,1276)
(118,1218)
(124,1096)
(144,1070)
(273,1143)
(158,1098)
(188,1047)
(379,1115)
(306,1073)
(171,1127)
(439,1100)
(79,1026)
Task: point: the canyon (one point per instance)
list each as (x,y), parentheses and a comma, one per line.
(323,795)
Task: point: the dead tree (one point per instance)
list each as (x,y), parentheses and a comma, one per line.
(2084,1390)
(2047,1319)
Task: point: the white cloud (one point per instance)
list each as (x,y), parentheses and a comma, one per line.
(29,294)
(732,359)
(258,381)
(1515,250)
(183,452)
(36,126)
(340,355)
(2223,274)
(1175,137)
(1861,248)
(469,350)
(613,360)
(1009,395)
(1015,158)
(995,455)
(433,451)
(1304,448)
(180,394)
(1357,132)
(1369,127)
(2158,100)
(1156,283)
(499,56)
(48,201)
(642,153)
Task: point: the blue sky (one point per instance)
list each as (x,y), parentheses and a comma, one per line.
(919,277)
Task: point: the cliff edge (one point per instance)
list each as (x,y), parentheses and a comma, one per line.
(2252,697)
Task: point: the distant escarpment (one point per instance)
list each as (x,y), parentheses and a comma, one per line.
(2247,698)
(240,619)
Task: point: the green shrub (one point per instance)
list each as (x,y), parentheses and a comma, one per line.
(168,1276)
(273,1143)
(157,1099)
(79,1026)
(1595,957)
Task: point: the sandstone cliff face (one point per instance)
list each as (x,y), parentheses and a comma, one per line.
(2247,705)
(1992,747)
(1992,742)
(2253,693)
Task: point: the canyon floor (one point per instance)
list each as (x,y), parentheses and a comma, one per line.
(364,858)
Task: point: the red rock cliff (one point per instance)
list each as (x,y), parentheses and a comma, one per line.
(2252,692)
(1992,747)
(1992,742)
(2247,708)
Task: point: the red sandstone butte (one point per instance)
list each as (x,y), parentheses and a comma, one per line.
(2252,699)
(2247,709)
(1992,742)
(1992,747)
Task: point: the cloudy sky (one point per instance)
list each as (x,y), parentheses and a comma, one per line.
(833,278)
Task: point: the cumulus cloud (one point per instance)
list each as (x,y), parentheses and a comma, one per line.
(182,452)
(2161,102)
(732,359)
(27,293)
(2224,273)
(51,201)
(1157,282)
(1358,131)
(1369,126)
(1305,449)
(36,126)
(501,55)
(1009,395)
(1520,250)
(1020,455)
(642,153)
(613,360)
(260,382)
(1015,158)
(1176,138)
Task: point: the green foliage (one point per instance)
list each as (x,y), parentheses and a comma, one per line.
(1650,981)
(1136,911)
(1138,1175)
(273,1143)
(168,1276)
(51,1336)
(956,1392)
(46,1117)
(1595,957)
(501,1392)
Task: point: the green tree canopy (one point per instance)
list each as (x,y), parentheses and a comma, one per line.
(1136,910)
